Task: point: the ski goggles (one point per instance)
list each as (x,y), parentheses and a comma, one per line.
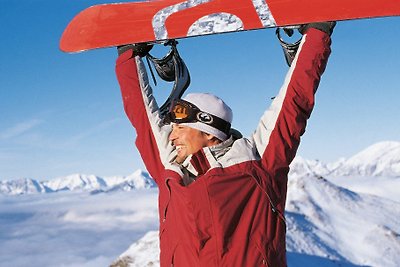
(182,111)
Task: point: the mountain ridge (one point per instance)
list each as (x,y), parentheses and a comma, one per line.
(78,182)
(378,160)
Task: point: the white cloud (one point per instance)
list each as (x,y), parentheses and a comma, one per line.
(88,132)
(35,230)
(19,129)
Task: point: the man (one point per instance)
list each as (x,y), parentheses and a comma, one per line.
(222,196)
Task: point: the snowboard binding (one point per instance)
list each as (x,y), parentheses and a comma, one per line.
(289,49)
(170,68)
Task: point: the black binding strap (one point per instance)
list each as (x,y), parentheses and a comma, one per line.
(171,68)
(289,49)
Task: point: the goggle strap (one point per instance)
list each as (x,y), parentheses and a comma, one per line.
(219,124)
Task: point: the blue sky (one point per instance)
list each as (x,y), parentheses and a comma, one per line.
(62,113)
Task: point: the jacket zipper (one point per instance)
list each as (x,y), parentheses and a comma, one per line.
(169,198)
(273,207)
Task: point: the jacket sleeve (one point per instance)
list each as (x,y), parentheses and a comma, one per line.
(278,134)
(143,112)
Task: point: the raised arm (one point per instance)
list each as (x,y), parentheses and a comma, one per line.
(143,112)
(278,134)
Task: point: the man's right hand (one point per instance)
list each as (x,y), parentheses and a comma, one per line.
(326,27)
(140,49)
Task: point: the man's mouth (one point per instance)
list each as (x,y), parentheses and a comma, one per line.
(178,147)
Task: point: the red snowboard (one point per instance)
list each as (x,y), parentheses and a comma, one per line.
(116,24)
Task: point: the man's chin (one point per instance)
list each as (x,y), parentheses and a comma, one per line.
(180,159)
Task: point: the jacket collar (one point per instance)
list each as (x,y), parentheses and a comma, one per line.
(200,162)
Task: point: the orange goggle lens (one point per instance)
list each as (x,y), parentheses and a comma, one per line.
(180,112)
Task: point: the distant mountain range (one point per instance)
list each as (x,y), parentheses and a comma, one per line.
(381,159)
(78,182)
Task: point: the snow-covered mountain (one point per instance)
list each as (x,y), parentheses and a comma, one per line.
(78,182)
(333,222)
(380,159)
(22,186)
(143,253)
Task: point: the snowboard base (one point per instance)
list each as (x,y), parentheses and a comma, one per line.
(109,25)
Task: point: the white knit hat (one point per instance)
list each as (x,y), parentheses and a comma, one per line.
(213,105)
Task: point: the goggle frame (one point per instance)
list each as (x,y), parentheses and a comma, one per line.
(182,111)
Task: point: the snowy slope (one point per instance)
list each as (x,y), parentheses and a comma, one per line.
(143,253)
(328,220)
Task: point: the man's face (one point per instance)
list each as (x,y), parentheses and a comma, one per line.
(187,141)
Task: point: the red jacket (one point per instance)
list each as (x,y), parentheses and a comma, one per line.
(233,213)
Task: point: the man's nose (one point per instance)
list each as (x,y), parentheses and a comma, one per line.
(172,135)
